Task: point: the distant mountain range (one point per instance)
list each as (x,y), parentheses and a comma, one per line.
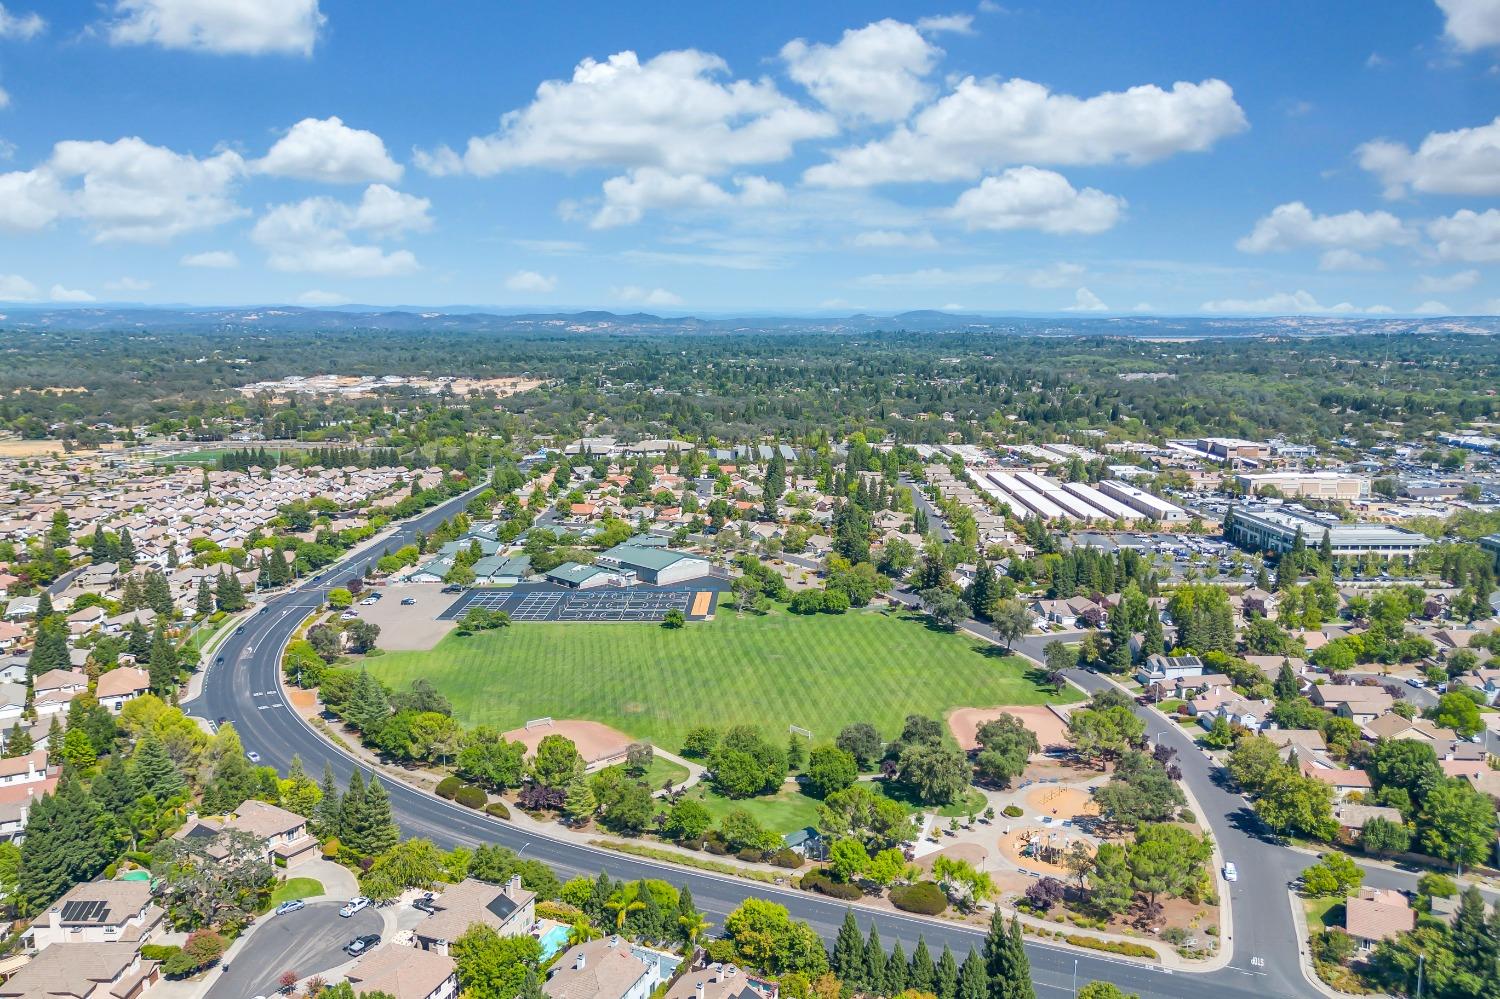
(479,320)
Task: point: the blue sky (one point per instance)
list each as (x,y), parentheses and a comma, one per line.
(1087,157)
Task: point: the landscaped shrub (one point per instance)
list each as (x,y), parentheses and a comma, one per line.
(1012,811)
(471,797)
(824,885)
(715,845)
(448,787)
(787,857)
(751,856)
(158,952)
(497,809)
(1110,946)
(924,897)
(331,848)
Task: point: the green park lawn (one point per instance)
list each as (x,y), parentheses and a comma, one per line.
(784,812)
(819,672)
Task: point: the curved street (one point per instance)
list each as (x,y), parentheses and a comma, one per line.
(245,689)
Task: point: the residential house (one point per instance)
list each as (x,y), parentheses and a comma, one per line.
(12,701)
(1352,818)
(1158,668)
(81,622)
(10,635)
(1223,702)
(13,669)
(1377,914)
(608,968)
(283,833)
(1486,681)
(721,981)
(28,769)
(1392,726)
(1359,703)
(117,624)
(55,689)
(121,684)
(1185,686)
(1303,741)
(405,972)
(509,910)
(22,608)
(98,912)
(84,971)
(1067,613)
(1343,782)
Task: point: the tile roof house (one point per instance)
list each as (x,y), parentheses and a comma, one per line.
(1352,818)
(607,968)
(124,683)
(83,971)
(1359,703)
(98,912)
(284,833)
(405,972)
(55,689)
(721,981)
(1343,782)
(1377,914)
(1392,726)
(509,910)
(1159,667)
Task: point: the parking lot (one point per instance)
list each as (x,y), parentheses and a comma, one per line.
(408,627)
(695,600)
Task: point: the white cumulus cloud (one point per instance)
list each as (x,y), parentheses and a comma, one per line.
(1467,235)
(1348,260)
(893,239)
(675,111)
(1030,198)
(985,124)
(316,297)
(628,198)
(213,259)
(532,281)
(876,73)
(1287,304)
(127,190)
(316,235)
(60,294)
(1471,24)
(1432,308)
(1293,225)
(227,27)
(21,26)
(1086,301)
(15,288)
(328,150)
(957,24)
(645,296)
(1463,161)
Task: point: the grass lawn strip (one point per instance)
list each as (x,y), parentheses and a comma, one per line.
(296,888)
(820,672)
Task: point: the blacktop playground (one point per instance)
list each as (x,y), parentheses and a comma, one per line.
(696,599)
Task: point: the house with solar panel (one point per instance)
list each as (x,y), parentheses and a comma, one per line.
(98,912)
(509,910)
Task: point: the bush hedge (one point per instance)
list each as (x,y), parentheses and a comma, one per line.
(1012,811)
(1110,946)
(924,898)
(497,809)
(471,797)
(786,857)
(448,787)
(824,885)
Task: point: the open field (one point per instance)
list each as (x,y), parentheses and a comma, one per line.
(820,672)
(784,812)
(17,448)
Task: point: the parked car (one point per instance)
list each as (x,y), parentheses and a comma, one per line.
(367,601)
(408,601)
(426,903)
(290,906)
(1231,873)
(1417,682)
(352,906)
(361,944)
(252,756)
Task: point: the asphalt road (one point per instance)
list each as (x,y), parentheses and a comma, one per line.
(307,942)
(935,520)
(245,690)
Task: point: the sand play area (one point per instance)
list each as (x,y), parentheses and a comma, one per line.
(1041,848)
(1051,731)
(1063,802)
(599,745)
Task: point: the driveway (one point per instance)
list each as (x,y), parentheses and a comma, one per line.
(307,942)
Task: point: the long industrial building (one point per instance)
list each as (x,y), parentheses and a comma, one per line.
(1142,502)
(1321,485)
(1275,529)
(1030,494)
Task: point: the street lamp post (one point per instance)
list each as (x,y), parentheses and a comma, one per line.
(1075,978)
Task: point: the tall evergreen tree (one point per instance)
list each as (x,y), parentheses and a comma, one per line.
(65,844)
(947,975)
(138,641)
(18,741)
(1005,960)
(973,983)
(896,970)
(1153,638)
(203,604)
(155,770)
(163,664)
(849,952)
(923,974)
(44,606)
(874,980)
(126,553)
(327,818)
(50,650)
(368,704)
(1473,943)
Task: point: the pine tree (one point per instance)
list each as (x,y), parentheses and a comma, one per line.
(368,704)
(18,742)
(1473,944)
(581,803)
(50,650)
(1286,686)
(65,844)
(1005,960)
(99,547)
(116,788)
(163,663)
(1325,549)
(158,594)
(923,974)
(947,975)
(531,986)
(44,606)
(173,559)
(155,770)
(896,971)
(370,830)
(1119,638)
(849,952)
(973,983)
(203,605)
(138,641)
(328,815)
(1262,579)
(874,962)
(127,548)
(1153,639)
